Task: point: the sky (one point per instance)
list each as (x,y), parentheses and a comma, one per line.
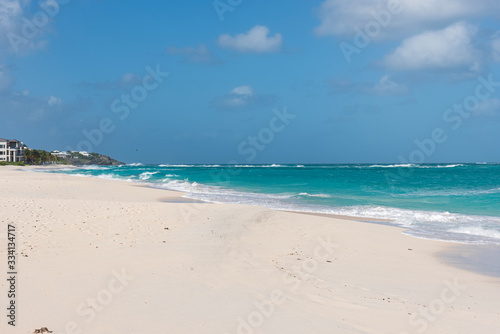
(239,81)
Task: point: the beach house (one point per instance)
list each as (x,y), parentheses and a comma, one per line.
(11,150)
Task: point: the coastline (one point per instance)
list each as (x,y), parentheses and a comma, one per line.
(204,267)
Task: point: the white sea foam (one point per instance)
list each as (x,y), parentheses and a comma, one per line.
(135,164)
(315,195)
(259,166)
(412,166)
(95,167)
(168,165)
(218,194)
(449,192)
(478,231)
(392,166)
(147,175)
(114,177)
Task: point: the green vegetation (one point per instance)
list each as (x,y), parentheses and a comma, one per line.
(76,158)
(41,157)
(8,163)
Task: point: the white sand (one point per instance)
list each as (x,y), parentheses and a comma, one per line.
(110,257)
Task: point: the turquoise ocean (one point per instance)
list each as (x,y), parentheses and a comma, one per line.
(452,202)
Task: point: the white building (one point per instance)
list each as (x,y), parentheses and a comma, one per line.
(59,154)
(11,150)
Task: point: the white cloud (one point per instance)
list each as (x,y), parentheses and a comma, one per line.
(386,86)
(242,96)
(488,107)
(14,15)
(190,55)
(126,81)
(6,79)
(246,91)
(495,47)
(11,12)
(256,40)
(340,17)
(54,101)
(239,96)
(449,48)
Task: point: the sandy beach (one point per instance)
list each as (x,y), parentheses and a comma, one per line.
(101,256)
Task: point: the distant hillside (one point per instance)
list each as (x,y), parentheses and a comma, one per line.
(75,158)
(40,157)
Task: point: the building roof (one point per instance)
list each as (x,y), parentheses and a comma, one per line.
(1,139)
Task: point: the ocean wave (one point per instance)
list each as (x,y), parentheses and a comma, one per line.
(449,166)
(259,166)
(114,177)
(168,165)
(111,176)
(477,231)
(392,166)
(315,195)
(147,175)
(186,166)
(218,194)
(135,164)
(413,166)
(94,167)
(448,193)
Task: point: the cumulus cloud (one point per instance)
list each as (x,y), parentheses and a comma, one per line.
(495,47)
(54,101)
(242,96)
(256,40)
(489,107)
(384,87)
(190,55)
(239,96)
(21,106)
(342,18)
(449,48)
(11,12)
(14,15)
(245,91)
(126,81)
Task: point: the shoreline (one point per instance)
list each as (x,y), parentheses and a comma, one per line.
(192,263)
(478,258)
(367,219)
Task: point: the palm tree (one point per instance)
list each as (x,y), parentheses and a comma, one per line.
(36,156)
(28,155)
(45,156)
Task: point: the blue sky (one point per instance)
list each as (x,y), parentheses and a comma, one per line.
(326,81)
